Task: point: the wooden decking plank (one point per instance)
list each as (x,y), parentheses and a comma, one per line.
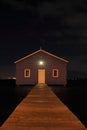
(42,110)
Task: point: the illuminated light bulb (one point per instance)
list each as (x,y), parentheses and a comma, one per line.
(41,62)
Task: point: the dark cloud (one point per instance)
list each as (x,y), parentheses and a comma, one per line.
(52,7)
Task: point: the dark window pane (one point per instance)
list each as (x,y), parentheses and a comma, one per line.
(55,72)
(27,72)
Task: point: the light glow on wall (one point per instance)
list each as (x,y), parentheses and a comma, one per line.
(41,63)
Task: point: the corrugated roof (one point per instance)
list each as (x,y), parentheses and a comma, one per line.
(41,50)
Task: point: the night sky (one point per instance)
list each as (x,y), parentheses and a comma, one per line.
(58,26)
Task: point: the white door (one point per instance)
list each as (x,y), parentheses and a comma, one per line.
(41,76)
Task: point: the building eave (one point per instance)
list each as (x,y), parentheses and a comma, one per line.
(41,50)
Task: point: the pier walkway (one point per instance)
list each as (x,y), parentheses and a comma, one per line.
(42,110)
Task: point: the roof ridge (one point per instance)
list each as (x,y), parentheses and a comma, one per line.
(39,51)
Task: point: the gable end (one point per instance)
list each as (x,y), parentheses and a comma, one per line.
(41,50)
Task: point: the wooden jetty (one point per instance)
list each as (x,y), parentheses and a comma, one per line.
(42,110)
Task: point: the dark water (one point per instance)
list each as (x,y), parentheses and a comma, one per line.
(76,100)
(10,97)
(74,97)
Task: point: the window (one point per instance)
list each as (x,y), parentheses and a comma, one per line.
(27,73)
(55,73)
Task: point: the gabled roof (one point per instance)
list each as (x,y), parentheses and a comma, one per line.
(41,50)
